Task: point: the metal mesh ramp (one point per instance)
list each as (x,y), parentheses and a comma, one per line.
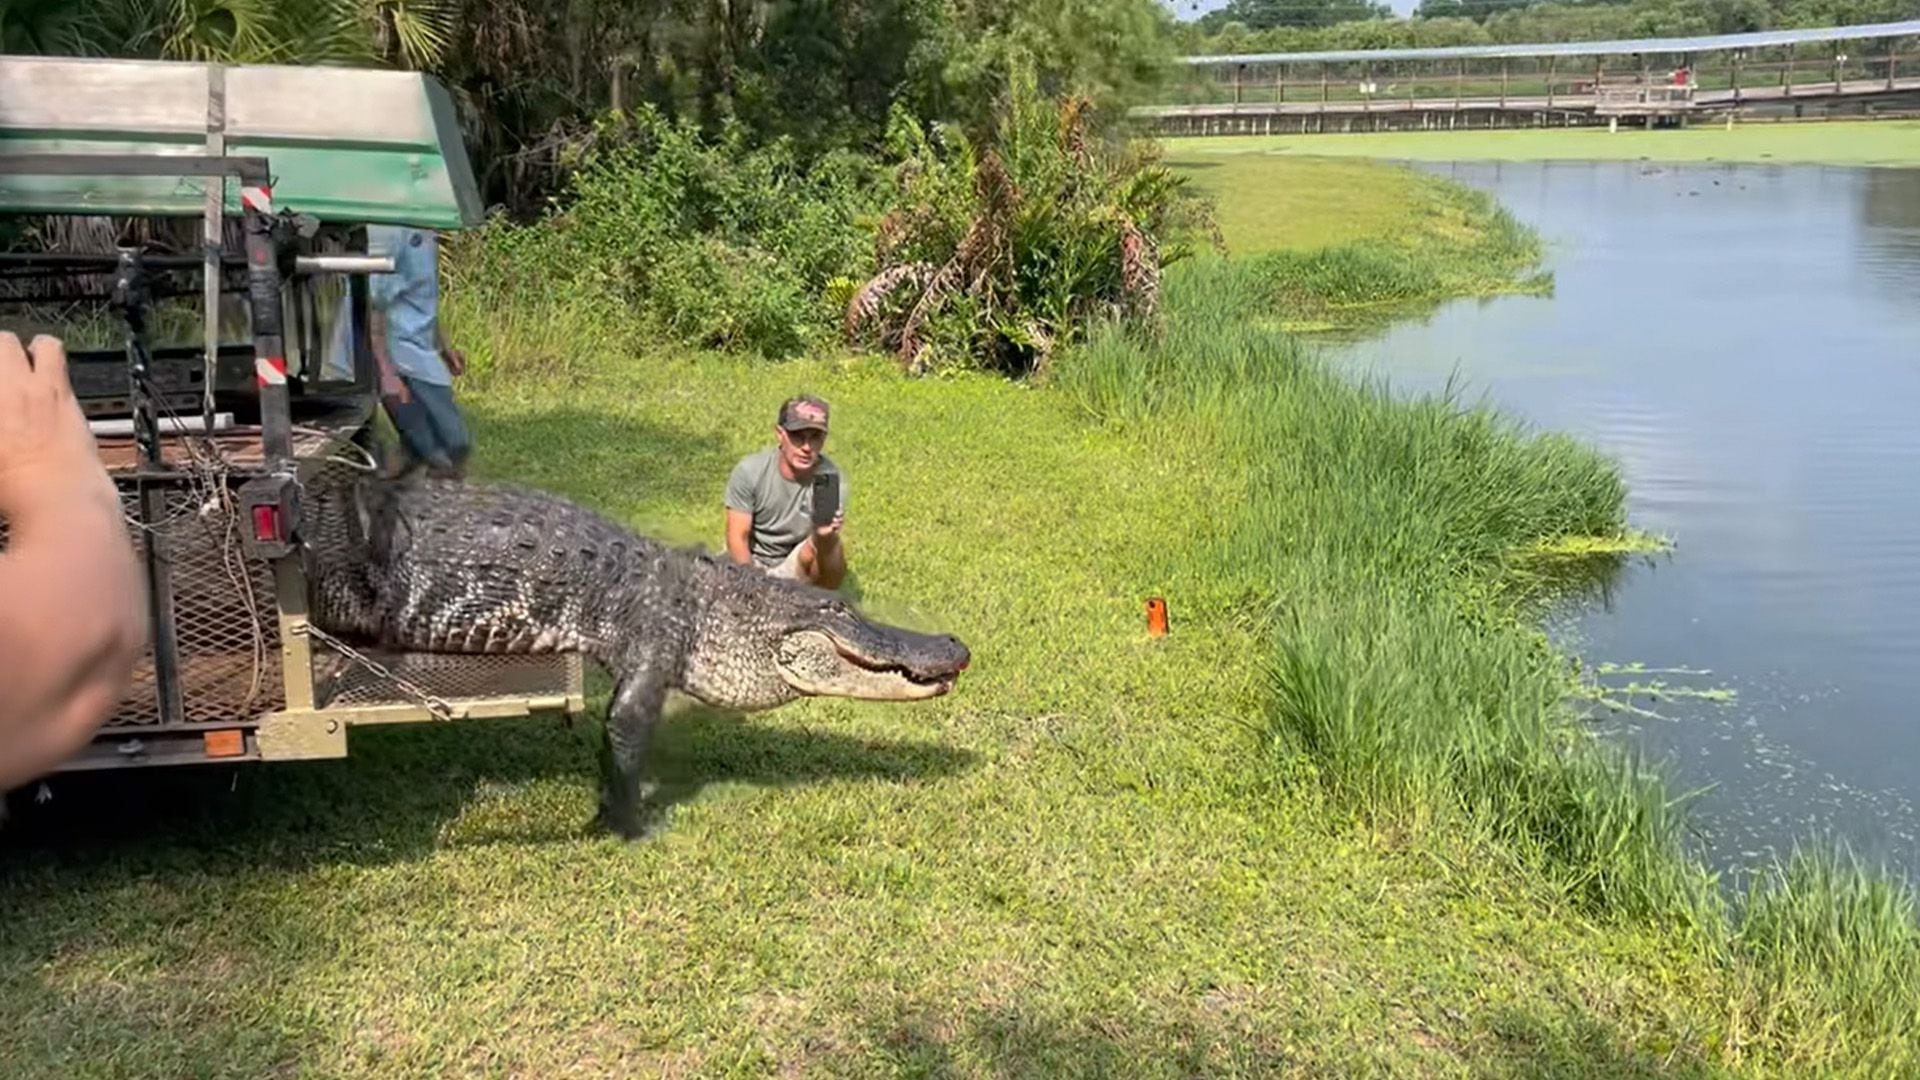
(341,683)
(228,638)
(226,622)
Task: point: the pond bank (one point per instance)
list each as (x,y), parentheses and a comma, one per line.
(1850,952)
(1346,245)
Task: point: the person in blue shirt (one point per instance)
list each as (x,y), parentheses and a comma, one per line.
(417,364)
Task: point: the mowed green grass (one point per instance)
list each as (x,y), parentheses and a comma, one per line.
(1836,142)
(1263,203)
(1347,245)
(1075,865)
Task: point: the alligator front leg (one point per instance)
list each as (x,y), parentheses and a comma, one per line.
(631,721)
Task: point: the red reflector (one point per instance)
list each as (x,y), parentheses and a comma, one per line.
(227,743)
(266,523)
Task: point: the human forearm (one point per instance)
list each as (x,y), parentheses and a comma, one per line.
(72,613)
(384,370)
(73,625)
(739,527)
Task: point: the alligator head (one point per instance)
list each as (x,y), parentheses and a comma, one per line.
(764,641)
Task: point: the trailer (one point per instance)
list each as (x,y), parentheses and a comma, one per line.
(251,188)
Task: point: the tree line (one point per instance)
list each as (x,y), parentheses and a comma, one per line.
(531,78)
(1306,25)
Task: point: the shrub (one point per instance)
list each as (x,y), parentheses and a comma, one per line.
(996,252)
(712,243)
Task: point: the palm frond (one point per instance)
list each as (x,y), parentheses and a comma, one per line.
(422,30)
(225,31)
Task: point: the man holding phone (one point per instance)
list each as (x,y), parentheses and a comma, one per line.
(785,504)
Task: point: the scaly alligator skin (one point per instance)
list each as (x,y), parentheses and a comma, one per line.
(460,567)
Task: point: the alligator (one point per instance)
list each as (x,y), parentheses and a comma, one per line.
(457,566)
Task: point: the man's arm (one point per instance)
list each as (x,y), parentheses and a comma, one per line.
(391,384)
(739,501)
(739,531)
(74,619)
(455,360)
(380,292)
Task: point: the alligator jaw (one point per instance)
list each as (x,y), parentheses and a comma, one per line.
(818,663)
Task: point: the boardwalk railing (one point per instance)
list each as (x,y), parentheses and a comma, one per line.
(1623,99)
(1863,68)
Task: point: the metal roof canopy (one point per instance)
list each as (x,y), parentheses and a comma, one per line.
(1623,47)
(344,144)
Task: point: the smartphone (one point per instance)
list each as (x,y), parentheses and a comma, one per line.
(826,497)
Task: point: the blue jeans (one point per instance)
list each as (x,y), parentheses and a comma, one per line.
(431,428)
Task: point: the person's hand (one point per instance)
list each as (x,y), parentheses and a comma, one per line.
(394,388)
(455,359)
(46,449)
(831,528)
(73,621)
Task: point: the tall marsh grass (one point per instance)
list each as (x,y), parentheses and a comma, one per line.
(1455,241)
(1375,538)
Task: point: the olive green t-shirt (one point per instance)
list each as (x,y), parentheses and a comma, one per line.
(782,509)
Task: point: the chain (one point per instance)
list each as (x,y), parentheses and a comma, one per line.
(437,705)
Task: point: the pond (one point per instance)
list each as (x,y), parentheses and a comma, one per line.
(1745,341)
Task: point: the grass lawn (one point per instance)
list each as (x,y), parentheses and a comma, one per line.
(1072,866)
(1835,142)
(1272,204)
(1347,245)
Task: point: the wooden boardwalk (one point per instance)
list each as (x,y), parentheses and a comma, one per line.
(1697,101)
(1855,69)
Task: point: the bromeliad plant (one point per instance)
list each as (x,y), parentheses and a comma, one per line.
(997,251)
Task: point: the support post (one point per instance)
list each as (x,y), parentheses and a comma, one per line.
(276,432)
(130,296)
(269,343)
(212,233)
(1550,66)
(1504,64)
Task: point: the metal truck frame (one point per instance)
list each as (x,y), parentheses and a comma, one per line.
(211,445)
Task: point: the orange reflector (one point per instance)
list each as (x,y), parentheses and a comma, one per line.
(1156,617)
(229,743)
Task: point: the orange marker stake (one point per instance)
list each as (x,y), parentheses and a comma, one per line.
(1156,617)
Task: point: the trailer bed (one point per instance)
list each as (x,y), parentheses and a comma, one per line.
(231,633)
(315,438)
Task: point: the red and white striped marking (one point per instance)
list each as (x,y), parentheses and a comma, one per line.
(270,370)
(257,197)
